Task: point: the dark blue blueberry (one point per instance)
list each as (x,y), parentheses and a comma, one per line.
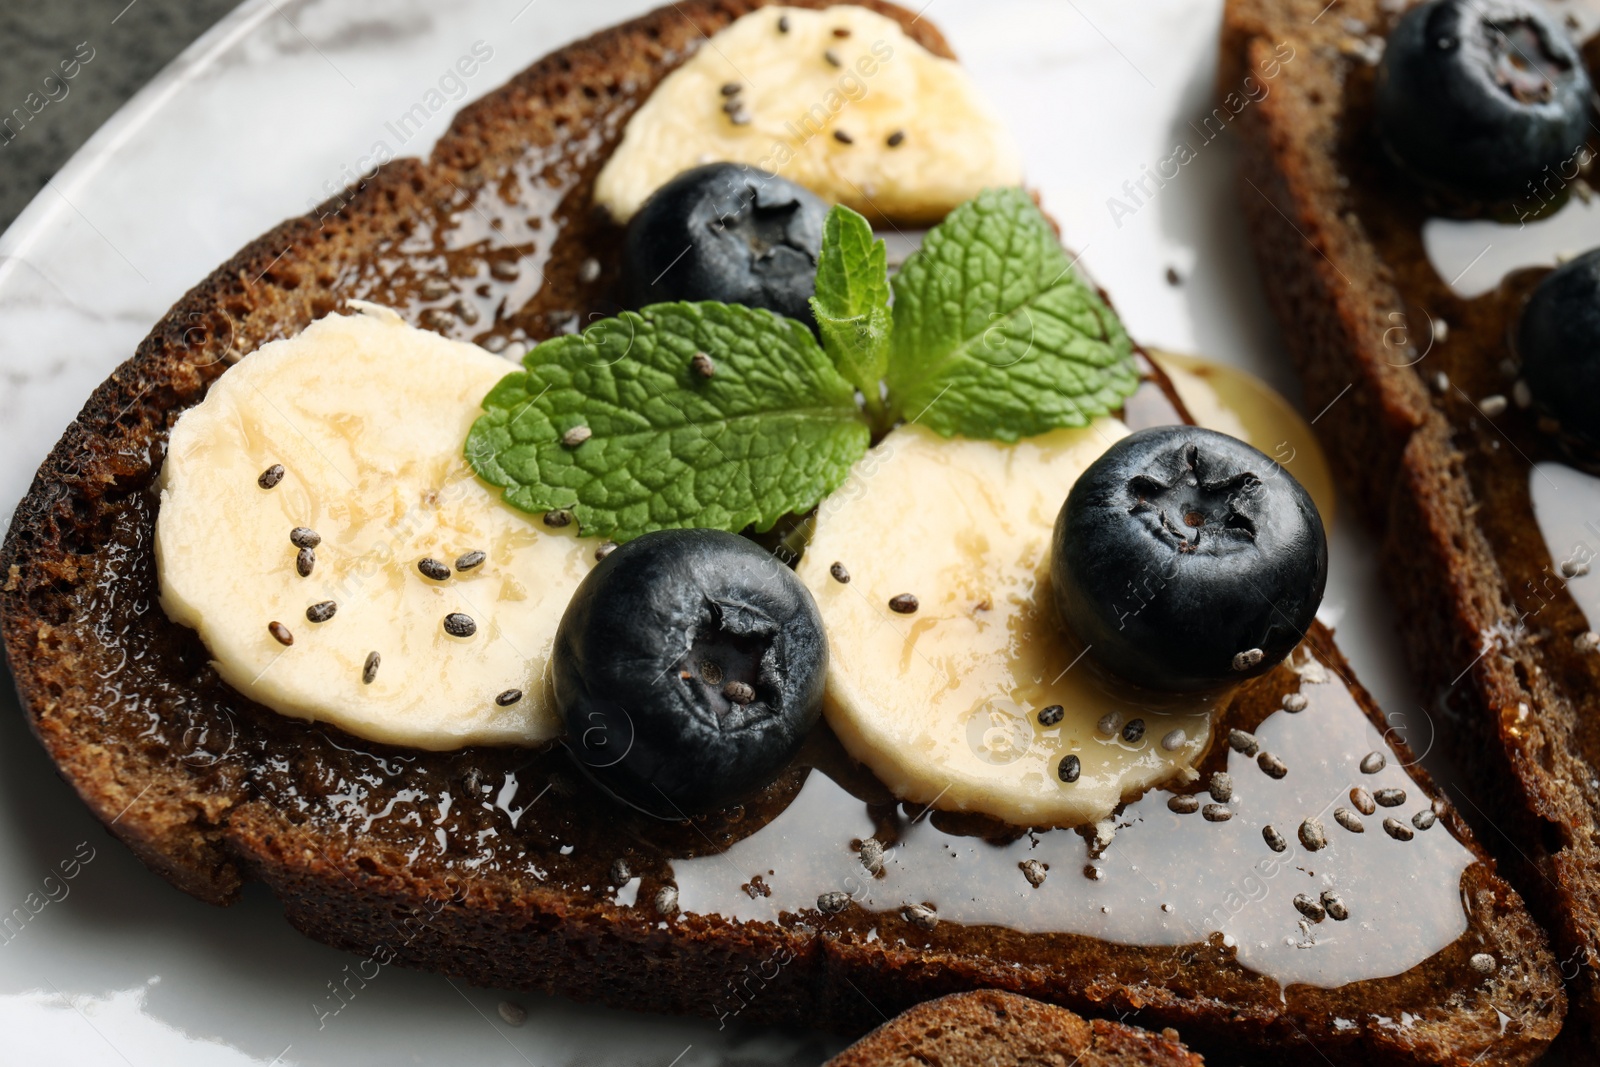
(727,232)
(1480,98)
(688,668)
(1185,559)
(1559,342)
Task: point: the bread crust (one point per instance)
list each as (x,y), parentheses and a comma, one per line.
(996,1029)
(1507,699)
(189,777)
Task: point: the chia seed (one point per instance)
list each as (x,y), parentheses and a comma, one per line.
(1183,804)
(783,23)
(840,575)
(1274,839)
(1295,702)
(903,604)
(1216,813)
(1174,740)
(1349,820)
(558,518)
(304,561)
(732,89)
(896,139)
(576,436)
(321,611)
(1424,819)
(1051,715)
(1133,733)
(1312,835)
(621,873)
(1221,787)
(1335,906)
(512,1014)
(280,633)
(271,476)
(432,568)
(1397,830)
(1033,871)
(1272,765)
(833,58)
(369,670)
(871,855)
(1310,907)
(667,899)
(833,903)
(843,138)
(739,692)
(1362,800)
(1069,769)
(1372,763)
(471,560)
(458,625)
(1109,723)
(921,916)
(303,537)
(1243,743)
(508,698)
(1249,659)
(703,365)
(604,549)
(841,31)
(1390,798)
(1483,963)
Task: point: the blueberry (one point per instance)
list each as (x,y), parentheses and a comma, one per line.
(1559,342)
(727,232)
(1479,97)
(688,669)
(1185,559)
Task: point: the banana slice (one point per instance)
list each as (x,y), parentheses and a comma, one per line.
(942,703)
(839,100)
(366,417)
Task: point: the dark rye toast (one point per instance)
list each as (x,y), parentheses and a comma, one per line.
(1402,365)
(506,868)
(987,1028)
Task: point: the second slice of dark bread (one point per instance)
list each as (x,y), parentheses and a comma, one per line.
(1490,634)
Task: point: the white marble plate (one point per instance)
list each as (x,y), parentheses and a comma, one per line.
(261,117)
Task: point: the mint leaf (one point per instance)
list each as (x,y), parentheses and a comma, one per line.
(994,334)
(773,430)
(852,301)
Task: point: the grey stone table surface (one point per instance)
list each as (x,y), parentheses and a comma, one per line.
(47,116)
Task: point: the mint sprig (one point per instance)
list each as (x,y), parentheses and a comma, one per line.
(717,415)
(995,336)
(852,303)
(772,430)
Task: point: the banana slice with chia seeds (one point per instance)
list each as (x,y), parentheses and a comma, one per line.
(839,100)
(950,677)
(321,530)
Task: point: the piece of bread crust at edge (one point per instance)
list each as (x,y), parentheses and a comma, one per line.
(200,784)
(1511,714)
(988,1028)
